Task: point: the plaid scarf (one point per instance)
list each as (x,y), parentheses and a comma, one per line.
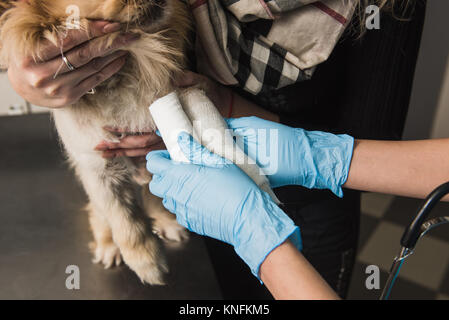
(263,45)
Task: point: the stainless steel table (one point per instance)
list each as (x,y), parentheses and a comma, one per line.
(43,229)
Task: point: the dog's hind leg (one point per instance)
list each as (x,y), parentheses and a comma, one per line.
(104,249)
(111,191)
(164,222)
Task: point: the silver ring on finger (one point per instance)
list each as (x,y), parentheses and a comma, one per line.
(67,62)
(92,91)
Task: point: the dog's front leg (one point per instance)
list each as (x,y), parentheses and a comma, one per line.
(111,191)
(211,129)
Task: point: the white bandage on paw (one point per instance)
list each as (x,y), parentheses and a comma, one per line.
(170,120)
(194,113)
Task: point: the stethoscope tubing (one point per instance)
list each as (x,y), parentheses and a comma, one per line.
(416,229)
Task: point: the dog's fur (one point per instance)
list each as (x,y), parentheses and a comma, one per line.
(119,224)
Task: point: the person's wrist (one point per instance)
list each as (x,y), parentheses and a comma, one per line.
(255,241)
(347,150)
(327,157)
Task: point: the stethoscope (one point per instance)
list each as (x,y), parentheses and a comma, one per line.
(417,229)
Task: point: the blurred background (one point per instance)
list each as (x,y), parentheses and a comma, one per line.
(41,204)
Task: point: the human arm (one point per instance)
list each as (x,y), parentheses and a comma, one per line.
(293,156)
(289,276)
(213,197)
(406,168)
(327,161)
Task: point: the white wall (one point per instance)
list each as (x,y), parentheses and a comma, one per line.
(441,121)
(428,114)
(8,98)
(11,103)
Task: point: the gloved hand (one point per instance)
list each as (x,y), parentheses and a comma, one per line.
(213,197)
(292,156)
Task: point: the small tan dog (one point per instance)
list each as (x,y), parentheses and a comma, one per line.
(120,226)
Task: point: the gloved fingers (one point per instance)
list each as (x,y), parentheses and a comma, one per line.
(243,134)
(158,161)
(171,205)
(172,182)
(163,186)
(157,186)
(229,122)
(242,142)
(249,122)
(180,218)
(238,123)
(197,153)
(158,153)
(251,132)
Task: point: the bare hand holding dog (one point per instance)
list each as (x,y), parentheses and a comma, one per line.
(132,145)
(36,81)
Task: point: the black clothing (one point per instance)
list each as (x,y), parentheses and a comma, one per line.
(364,90)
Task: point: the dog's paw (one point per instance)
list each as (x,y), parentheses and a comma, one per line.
(146,261)
(106,253)
(170,229)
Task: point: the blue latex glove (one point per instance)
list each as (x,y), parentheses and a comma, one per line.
(213,197)
(293,156)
